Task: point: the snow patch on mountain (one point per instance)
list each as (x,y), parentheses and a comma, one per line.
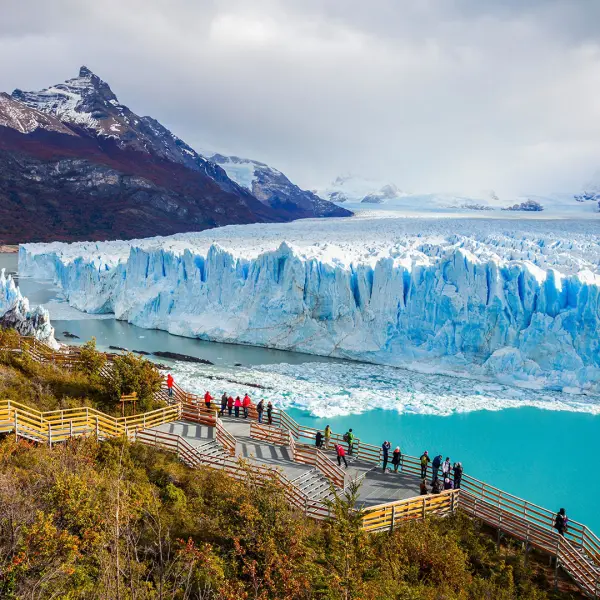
(242,171)
(515,301)
(17,116)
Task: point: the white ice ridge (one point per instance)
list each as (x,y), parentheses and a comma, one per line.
(15,313)
(511,300)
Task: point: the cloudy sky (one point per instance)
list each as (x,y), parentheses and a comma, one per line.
(434,95)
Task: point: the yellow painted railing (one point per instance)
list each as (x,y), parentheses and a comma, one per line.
(60,425)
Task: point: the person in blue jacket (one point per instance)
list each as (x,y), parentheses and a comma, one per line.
(386,453)
(435,467)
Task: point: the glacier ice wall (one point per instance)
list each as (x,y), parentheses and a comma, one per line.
(438,309)
(16,314)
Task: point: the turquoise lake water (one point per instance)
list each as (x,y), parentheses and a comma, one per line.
(547,457)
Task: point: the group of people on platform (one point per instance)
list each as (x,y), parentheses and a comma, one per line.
(451,473)
(323,440)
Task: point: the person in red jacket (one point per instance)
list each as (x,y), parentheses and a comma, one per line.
(236,406)
(341,455)
(207,399)
(229,405)
(246,404)
(170,382)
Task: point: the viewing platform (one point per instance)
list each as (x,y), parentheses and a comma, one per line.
(376,487)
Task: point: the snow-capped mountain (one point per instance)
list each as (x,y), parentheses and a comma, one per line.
(274,189)
(91,168)
(591,190)
(350,188)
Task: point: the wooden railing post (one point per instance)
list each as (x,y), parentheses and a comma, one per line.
(71,429)
(16,424)
(393,518)
(97,429)
(50,434)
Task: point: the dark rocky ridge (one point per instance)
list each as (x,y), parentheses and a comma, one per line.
(75,164)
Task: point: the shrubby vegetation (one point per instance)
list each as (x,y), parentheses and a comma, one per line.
(93,383)
(113,520)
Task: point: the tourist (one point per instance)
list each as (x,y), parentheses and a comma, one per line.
(246,402)
(446,468)
(448,485)
(435,467)
(170,382)
(458,473)
(386,453)
(437,486)
(327,436)
(425,460)
(341,454)
(396,457)
(260,407)
(207,399)
(349,439)
(270,414)
(229,404)
(319,440)
(424,490)
(561,522)
(236,407)
(223,403)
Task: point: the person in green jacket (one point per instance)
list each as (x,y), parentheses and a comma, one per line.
(425,460)
(349,439)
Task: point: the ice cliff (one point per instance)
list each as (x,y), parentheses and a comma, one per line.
(510,301)
(16,314)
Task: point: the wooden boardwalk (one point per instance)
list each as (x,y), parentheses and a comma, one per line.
(376,487)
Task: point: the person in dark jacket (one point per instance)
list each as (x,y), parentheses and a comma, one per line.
(396,458)
(561,521)
(425,460)
(385,447)
(423,488)
(223,404)
(270,413)
(458,473)
(260,407)
(448,485)
(435,467)
(437,486)
(319,440)
(229,405)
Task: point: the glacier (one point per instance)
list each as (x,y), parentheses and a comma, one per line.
(15,313)
(512,300)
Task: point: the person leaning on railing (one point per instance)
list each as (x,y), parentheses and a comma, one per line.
(260,407)
(561,522)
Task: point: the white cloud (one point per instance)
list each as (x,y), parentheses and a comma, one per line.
(433,95)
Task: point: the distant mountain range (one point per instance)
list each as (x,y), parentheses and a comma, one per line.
(351,188)
(76,164)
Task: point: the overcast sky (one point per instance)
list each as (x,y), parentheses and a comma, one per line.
(434,95)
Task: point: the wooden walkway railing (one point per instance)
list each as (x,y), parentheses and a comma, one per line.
(387,516)
(59,425)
